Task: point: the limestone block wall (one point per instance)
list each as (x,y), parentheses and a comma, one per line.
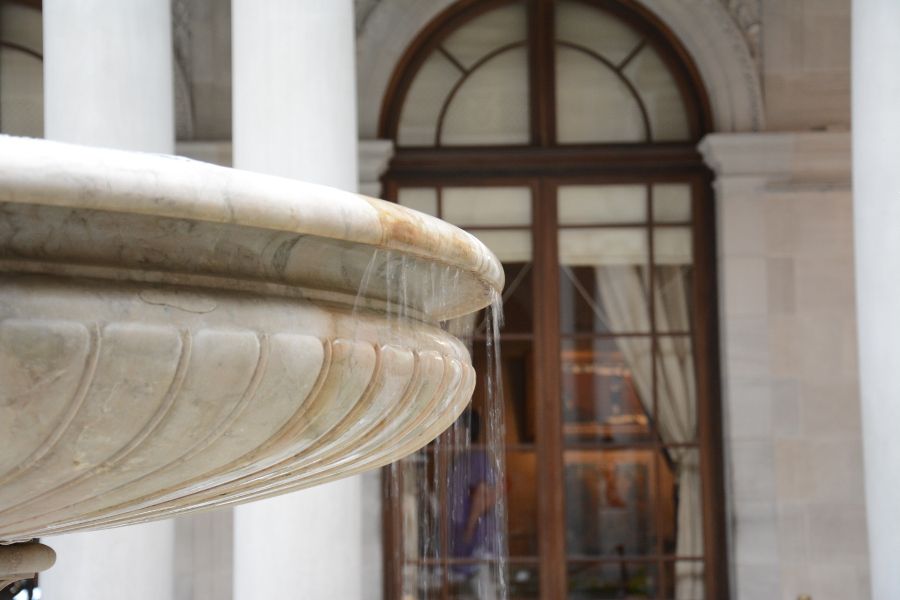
(805,61)
(788,338)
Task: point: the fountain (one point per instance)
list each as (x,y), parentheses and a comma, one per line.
(176,336)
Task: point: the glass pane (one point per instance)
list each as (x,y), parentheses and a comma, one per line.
(447,544)
(674,278)
(510,246)
(671,202)
(628,580)
(660,95)
(481,583)
(487,33)
(480,206)
(517,364)
(672,246)
(517,302)
(682,502)
(422,107)
(607,389)
(420,199)
(587,204)
(604,299)
(491,106)
(421,581)
(521,484)
(584,25)
(524,581)
(676,388)
(609,503)
(21,93)
(674,287)
(517,298)
(592,103)
(686,577)
(420,517)
(599,246)
(603,280)
(472,485)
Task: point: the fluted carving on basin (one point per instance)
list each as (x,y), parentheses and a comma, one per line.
(176,336)
(38,365)
(213,417)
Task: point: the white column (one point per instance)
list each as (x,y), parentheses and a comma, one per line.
(295,115)
(108,82)
(876,197)
(108,74)
(294,95)
(129,562)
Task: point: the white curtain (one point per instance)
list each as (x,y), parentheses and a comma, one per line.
(624,293)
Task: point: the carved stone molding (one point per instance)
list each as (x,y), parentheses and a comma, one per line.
(747,14)
(362,10)
(122,421)
(727,64)
(795,160)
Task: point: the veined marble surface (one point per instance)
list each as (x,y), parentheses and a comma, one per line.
(177,336)
(97,208)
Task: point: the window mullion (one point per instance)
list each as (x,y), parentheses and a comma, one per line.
(541,72)
(551,479)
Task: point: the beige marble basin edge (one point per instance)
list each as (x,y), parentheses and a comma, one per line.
(177,336)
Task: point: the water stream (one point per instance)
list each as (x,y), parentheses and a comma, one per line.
(446,503)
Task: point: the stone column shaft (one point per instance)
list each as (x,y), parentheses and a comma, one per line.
(294,94)
(294,109)
(876,207)
(108,74)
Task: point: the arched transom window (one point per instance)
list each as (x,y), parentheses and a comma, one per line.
(562,133)
(613,83)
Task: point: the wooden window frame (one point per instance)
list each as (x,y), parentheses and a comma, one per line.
(544,166)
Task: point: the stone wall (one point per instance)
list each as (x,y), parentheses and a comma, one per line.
(790,394)
(806,64)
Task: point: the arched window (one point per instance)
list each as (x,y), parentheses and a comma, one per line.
(562,134)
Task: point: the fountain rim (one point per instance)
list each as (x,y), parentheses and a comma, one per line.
(63,175)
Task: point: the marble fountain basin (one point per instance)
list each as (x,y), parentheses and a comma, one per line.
(177,336)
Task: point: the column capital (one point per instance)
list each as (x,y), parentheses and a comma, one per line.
(793,159)
(374,157)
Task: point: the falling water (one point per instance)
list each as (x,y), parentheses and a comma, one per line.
(440,550)
(496,436)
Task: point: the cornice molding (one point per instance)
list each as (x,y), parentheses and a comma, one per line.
(747,15)
(792,159)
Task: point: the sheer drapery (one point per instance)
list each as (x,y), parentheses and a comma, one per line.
(624,292)
(621,289)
